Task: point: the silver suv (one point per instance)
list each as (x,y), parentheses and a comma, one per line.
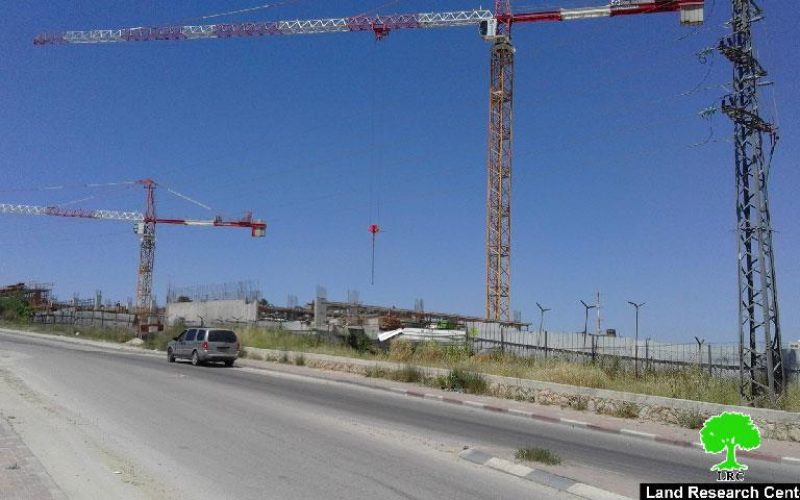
(204,344)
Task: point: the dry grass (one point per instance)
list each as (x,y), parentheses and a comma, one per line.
(285,341)
(687,383)
(108,334)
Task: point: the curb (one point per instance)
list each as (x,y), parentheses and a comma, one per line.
(548,479)
(584,425)
(446,399)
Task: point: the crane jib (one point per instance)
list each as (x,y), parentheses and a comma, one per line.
(252,29)
(380,25)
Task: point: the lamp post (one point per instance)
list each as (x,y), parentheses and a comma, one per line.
(636,346)
(586,320)
(542,310)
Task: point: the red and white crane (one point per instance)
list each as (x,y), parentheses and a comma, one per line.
(495,27)
(145,226)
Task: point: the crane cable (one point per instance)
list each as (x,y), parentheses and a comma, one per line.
(240,11)
(374,178)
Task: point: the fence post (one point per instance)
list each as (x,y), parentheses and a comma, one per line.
(594,349)
(700,353)
(646,354)
(502,339)
(709,361)
(545,344)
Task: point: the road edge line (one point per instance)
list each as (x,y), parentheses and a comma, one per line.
(540,477)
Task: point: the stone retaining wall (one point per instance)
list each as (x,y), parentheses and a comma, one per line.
(776,424)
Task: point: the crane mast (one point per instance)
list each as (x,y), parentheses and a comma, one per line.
(147,254)
(145,226)
(495,27)
(498,165)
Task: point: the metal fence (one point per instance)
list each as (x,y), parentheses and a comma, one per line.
(717,359)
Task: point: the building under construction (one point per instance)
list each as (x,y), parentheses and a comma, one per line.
(242,303)
(37,295)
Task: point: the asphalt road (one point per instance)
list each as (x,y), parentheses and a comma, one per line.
(203,432)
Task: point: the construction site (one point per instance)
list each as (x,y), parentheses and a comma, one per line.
(757,353)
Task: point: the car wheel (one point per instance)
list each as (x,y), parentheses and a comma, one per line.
(229,363)
(195,358)
(170,356)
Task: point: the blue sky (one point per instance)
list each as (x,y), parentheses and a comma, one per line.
(616,187)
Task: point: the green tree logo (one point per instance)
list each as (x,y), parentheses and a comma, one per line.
(726,432)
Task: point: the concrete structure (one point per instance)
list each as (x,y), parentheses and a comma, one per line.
(212,311)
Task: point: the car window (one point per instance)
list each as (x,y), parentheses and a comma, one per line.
(190,335)
(181,336)
(221,336)
(201,335)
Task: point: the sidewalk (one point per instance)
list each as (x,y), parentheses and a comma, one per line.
(22,476)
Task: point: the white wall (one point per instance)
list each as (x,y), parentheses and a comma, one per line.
(212,311)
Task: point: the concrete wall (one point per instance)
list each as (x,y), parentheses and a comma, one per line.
(212,311)
(92,318)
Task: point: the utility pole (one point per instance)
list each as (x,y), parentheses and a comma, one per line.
(761,372)
(636,338)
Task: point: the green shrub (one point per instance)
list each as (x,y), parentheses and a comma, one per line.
(15,308)
(543,455)
(284,357)
(359,341)
(691,419)
(462,381)
(300,360)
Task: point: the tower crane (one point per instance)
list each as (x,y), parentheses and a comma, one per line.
(494,27)
(144,226)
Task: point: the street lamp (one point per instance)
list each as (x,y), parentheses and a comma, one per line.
(636,346)
(586,320)
(586,316)
(542,310)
